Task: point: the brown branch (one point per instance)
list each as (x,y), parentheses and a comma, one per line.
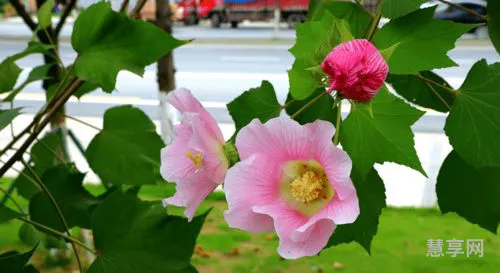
(137,9)
(458,6)
(50,112)
(21,11)
(66,12)
(124,5)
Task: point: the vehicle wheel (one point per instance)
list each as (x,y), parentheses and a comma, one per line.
(215,20)
(481,32)
(294,19)
(234,24)
(191,20)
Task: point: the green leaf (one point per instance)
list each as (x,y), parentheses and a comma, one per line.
(33,48)
(65,184)
(15,262)
(302,81)
(7,214)
(9,72)
(473,125)
(470,192)
(127,150)
(423,93)
(7,116)
(396,8)
(36,74)
(420,42)
(260,102)
(108,42)
(322,109)
(313,6)
(494,23)
(371,195)
(42,159)
(134,236)
(357,17)
(315,39)
(44,14)
(86,88)
(381,132)
(28,234)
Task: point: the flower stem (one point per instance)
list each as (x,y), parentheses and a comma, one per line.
(57,208)
(57,233)
(13,200)
(374,24)
(83,122)
(473,12)
(337,123)
(447,88)
(438,95)
(311,102)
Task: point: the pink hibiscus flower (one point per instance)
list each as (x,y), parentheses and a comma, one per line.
(291,179)
(356,69)
(195,160)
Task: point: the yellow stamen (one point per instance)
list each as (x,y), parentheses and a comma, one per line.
(309,187)
(197,159)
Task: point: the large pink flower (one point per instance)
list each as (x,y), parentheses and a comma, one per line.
(291,179)
(355,69)
(195,160)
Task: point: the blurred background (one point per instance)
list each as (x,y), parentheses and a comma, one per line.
(237,44)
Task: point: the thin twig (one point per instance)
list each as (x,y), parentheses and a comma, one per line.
(57,233)
(375,21)
(137,9)
(54,153)
(23,174)
(311,102)
(21,11)
(50,112)
(46,191)
(286,105)
(66,12)
(466,9)
(124,5)
(83,122)
(337,123)
(438,95)
(447,88)
(13,200)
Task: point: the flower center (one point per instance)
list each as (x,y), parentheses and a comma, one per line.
(305,186)
(197,159)
(309,187)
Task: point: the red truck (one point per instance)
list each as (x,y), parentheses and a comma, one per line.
(235,11)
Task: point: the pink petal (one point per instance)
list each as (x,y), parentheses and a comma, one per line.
(283,139)
(174,163)
(299,236)
(337,166)
(191,192)
(185,102)
(290,249)
(249,183)
(356,69)
(214,160)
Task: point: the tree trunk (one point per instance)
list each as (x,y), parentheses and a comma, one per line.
(166,72)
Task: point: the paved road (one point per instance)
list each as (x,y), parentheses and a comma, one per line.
(216,73)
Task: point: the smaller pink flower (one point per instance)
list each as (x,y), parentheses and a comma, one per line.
(356,69)
(195,159)
(291,179)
